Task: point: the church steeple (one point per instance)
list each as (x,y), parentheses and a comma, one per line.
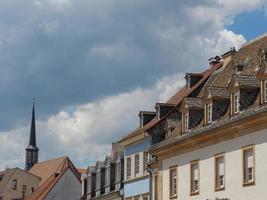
(32,149)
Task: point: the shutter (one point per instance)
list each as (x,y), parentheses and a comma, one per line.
(250,160)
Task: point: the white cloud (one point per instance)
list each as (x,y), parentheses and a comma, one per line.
(126,41)
(87,131)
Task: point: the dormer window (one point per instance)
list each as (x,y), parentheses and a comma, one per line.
(239,68)
(235,104)
(186,122)
(265,91)
(209,112)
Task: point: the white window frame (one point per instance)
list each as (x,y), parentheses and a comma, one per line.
(194,181)
(219,176)
(186,121)
(173,181)
(129,167)
(248,171)
(236,103)
(209,112)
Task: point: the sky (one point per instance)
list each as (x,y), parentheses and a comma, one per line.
(92,65)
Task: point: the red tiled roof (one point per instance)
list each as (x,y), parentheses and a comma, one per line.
(50,172)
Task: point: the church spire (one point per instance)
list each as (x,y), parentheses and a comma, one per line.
(32,149)
(32,141)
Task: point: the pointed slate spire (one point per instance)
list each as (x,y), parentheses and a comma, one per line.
(32,149)
(32,141)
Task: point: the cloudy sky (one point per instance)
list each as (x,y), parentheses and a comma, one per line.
(92,65)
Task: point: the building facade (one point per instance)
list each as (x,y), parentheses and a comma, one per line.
(218,148)
(105,179)
(17,184)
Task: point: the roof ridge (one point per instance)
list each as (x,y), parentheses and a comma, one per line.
(62,157)
(254,40)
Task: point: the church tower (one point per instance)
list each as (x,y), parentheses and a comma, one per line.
(32,149)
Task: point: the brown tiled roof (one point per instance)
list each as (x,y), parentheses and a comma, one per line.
(81,170)
(176,99)
(50,172)
(248,55)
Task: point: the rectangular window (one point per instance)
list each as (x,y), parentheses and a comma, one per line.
(209,113)
(186,121)
(156,191)
(117,171)
(194,174)
(137,164)
(248,166)
(145,161)
(14,184)
(219,173)
(173,181)
(129,170)
(265,91)
(235,103)
(107,175)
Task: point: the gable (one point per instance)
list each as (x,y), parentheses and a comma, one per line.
(68,187)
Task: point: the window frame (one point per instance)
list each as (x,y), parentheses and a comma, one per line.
(209,113)
(172,194)
(265,91)
(128,167)
(236,102)
(136,164)
(216,172)
(14,184)
(196,192)
(186,121)
(244,166)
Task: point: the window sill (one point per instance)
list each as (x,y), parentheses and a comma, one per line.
(173,196)
(194,193)
(219,189)
(251,183)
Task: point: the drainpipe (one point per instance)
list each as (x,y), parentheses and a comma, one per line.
(150,171)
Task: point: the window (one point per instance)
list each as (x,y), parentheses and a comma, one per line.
(107,175)
(98,180)
(265,90)
(173,181)
(118,171)
(248,166)
(235,103)
(186,121)
(156,188)
(32,189)
(219,173)
(24,187)
(194,174)
(129,167)
(14,184)
(209,113)
(145,161)
(137,164)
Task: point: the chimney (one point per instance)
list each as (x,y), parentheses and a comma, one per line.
(228,56)
(162,109)
(192,79)
(146,117)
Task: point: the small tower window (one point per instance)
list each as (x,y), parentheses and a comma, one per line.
(14,184)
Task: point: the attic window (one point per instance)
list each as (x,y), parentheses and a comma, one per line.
(265,91)
(239,68)
(185,121)
(235,102)
(209,112)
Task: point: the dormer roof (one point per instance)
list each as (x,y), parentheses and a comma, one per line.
(245,81)
(217,92)
(193,103)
